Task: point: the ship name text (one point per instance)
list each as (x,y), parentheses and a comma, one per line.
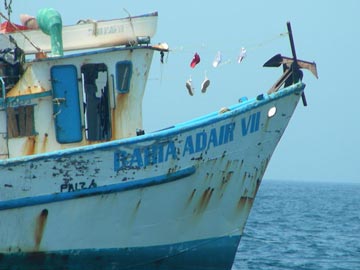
(159,152)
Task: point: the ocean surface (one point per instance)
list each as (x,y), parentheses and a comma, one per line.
(302,225)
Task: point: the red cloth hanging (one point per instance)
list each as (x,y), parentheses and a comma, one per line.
(7,27)
(195,60)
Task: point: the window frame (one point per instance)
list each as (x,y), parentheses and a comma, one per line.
(20,121)
(123,82)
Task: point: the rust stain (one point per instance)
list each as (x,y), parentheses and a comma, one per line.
(134,213)
(204,200)
(241,164)
(30,146)
(266,126)
(258,182)
(188,202)
(121,107)
(244,201)
(121,103)
(264,165)
(39,228)
(241,202)
(137,205)
(209,176)
(44,143)
(224,183)
(226,179)
(113,124)
(255,176)
(244,177)
(121,112)
(228,164)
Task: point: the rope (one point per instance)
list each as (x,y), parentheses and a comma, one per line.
(134,42)
(203,47)
(8,7)
(21,32)
(267,41)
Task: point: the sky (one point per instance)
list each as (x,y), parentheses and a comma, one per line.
(321,142)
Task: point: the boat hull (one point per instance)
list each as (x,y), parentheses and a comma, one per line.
(204,254)
(176,198)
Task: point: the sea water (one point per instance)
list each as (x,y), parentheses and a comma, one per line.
(302,225)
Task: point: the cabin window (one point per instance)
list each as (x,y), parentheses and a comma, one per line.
(20,121)
(96,102)
(123,76)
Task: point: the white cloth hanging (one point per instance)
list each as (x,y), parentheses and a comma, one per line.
(217,59)
(189,87)
(205,84)
(242,55)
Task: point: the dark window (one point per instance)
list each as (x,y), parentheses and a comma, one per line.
(123,76)
(96,102)
(20,121)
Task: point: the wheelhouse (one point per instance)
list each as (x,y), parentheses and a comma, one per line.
(81,99)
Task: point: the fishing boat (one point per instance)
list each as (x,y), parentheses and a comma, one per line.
(86,34)
(83,186)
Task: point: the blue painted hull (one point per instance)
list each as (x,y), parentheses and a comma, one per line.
(216,253)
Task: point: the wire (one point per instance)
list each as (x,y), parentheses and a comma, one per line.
(204,48)
(21,32)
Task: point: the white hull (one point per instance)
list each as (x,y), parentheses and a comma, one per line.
(87,35)
(82,186)
(172,193)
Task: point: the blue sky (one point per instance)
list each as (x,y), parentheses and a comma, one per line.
(322,140)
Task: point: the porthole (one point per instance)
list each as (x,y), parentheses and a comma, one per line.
(272,112)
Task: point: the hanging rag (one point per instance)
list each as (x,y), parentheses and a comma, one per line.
(242,55)
(195,60)
(217,60)
(205,84)
(189,87)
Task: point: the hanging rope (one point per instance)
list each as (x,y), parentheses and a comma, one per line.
(267,41)
(208,53)
(8,8)
(189,49)
(21,33)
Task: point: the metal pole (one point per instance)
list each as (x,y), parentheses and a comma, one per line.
(295,65)
(292,44)
(3,88)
